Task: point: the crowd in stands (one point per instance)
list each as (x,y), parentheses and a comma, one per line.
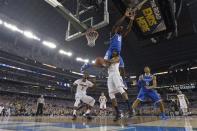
(24,105)
(27,105)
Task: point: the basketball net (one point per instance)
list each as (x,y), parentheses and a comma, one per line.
(91,36)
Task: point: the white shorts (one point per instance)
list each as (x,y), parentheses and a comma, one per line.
(85,99)
(103,105)
(183,104)
(115,85)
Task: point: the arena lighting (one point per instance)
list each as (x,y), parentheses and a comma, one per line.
(49,44)
(82,60)
(50,66)
(1,22)
(133,77)
(93,62)
(92,75)
(161,73)
(30,35)
(77,73)
(65,53)
(12,27)
(48,75)
(193,68)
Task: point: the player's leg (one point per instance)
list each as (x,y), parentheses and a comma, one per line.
(89,101)
(122,72)
(140,97)
(184,110)
(101,109)
(135,105)
(112,91)
(156,98)
(76,105)
(115,106)
(104,108)
(117,80)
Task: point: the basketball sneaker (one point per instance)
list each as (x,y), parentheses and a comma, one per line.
(163,116)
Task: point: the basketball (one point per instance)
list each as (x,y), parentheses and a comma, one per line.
(99,61)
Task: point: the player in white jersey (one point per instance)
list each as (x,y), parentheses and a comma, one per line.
(103,101)
(82,85)
(115,83)
(183,102)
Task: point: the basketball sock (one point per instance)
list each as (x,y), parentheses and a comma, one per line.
(74,112)
(117,110)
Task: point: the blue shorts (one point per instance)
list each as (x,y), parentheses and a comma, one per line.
(152,94)
(108,56)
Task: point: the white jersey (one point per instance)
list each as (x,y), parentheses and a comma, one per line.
(82,86)
(182,101)
(102,99)
(114,69)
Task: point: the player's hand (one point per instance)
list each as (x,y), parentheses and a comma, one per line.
(130,13)
(127,12)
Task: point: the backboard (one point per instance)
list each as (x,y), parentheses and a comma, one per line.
(82,15)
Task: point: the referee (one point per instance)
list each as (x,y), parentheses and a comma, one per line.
(40,105)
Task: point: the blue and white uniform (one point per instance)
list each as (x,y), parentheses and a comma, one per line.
(147,80)
(115,44)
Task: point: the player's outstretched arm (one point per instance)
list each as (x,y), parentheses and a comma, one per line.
(119,22)
(131,16)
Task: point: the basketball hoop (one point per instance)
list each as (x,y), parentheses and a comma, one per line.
(91,36)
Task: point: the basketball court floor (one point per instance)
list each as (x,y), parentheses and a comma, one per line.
(97,124)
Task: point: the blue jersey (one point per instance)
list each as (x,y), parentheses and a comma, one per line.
(146,80)
(116,43)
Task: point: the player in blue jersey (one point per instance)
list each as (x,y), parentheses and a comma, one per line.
(147,83)
(116,41)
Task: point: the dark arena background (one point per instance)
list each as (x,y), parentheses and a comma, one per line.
(44,47)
